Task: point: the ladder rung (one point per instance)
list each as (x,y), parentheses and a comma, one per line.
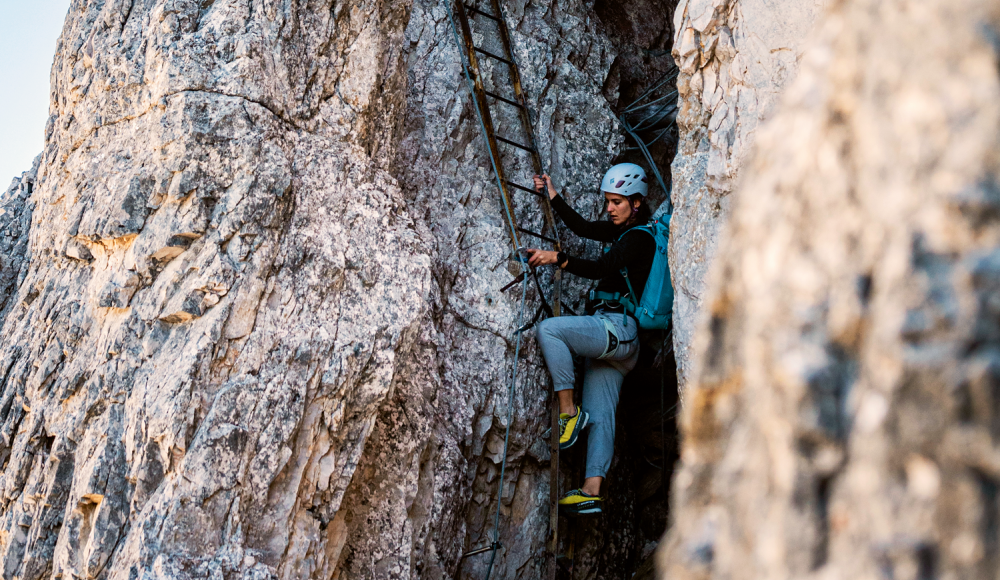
(504,99)
(472,8)
(539,236)
(491,55)
(513,282)
(493,546)
(515,144)
(522,188)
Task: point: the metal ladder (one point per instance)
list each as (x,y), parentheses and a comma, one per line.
(496,24)
(495,83)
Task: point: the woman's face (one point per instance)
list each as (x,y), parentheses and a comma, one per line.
(619,208)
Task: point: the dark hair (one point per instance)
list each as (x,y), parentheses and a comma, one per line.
(641,214)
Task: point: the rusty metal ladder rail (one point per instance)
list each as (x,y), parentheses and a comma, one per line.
(480,97)
(507,187)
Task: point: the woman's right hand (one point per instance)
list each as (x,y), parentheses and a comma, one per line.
(545,181)
(538,257)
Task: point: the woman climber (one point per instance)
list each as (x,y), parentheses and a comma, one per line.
(608,337)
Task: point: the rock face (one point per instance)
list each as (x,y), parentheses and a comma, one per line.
(251,326)
(735,58)
(254,328)
(15,221)
(842,419)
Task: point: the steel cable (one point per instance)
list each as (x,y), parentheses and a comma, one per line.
(506,437)
(495,545)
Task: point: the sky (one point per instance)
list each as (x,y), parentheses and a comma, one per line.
(28,33)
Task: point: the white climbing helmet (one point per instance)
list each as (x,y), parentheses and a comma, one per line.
(625,179)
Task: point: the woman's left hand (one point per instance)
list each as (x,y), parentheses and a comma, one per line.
(538,257)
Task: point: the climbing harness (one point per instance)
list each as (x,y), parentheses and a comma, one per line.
(611,346)
(613,340)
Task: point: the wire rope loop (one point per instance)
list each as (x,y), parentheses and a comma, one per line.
(633,131)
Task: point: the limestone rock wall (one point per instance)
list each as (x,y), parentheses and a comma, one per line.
(735,58)
(841,420)
(252,327)
(15,221)
(212,312)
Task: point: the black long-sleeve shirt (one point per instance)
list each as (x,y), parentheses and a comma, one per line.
(635,250)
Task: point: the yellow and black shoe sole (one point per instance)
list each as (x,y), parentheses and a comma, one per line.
(583,508)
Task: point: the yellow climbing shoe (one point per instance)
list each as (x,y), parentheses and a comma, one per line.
(571,426)
(578,503)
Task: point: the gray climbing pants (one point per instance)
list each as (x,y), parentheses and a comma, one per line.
(608,360)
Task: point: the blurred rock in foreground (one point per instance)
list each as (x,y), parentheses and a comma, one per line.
(842,419)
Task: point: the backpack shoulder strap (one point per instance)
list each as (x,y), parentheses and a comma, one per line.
(646,228)
(624,271)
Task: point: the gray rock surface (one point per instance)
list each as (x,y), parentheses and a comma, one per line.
(257,331)
(735,58)
(15,221)
(841,420)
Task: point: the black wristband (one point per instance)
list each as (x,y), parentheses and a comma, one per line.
(561,259)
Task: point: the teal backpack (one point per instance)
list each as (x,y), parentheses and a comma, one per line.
(656,305)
